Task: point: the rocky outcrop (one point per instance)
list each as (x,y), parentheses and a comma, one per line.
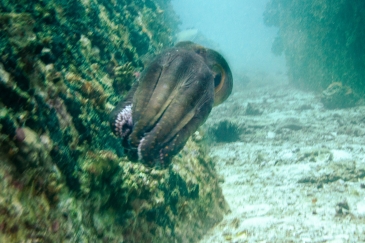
(322,41)
(63,67)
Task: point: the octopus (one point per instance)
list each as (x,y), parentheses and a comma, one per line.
(172,98)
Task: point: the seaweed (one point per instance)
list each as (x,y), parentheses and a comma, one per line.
(321,40)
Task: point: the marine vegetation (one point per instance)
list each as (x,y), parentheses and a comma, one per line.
(64,177)
(173,97)
(323,41)
(225,131)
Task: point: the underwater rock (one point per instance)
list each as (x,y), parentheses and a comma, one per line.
(186,35)
(150,205)
(252,110)
(344,170)
(196,36)
(289,123)
(63,176)
(338,96)
(315,50)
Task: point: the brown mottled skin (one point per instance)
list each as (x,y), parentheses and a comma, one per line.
(173,97)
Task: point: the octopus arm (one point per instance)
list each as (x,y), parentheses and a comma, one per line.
(180,120)
(159,88)
(120,107)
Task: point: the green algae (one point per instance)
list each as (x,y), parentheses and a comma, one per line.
(63,67)
(322,41)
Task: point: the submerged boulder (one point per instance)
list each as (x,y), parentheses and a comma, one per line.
(64,177)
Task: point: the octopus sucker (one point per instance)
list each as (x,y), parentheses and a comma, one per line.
(173,97)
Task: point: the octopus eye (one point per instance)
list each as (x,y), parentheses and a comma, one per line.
(217,80)
(223,81)
(218,77)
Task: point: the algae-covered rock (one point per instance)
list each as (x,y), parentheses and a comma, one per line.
(64,178)
(149,205)
(338,96)
(322,41)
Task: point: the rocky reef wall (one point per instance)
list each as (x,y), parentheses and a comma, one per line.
(63,67)
(323,41)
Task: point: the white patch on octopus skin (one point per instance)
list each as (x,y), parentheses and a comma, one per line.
(139,149)
(124,117)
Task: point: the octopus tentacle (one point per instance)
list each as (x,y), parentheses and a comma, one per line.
(121,121)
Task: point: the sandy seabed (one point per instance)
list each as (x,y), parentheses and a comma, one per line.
(297,174)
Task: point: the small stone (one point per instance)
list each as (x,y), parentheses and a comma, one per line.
(271,135)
